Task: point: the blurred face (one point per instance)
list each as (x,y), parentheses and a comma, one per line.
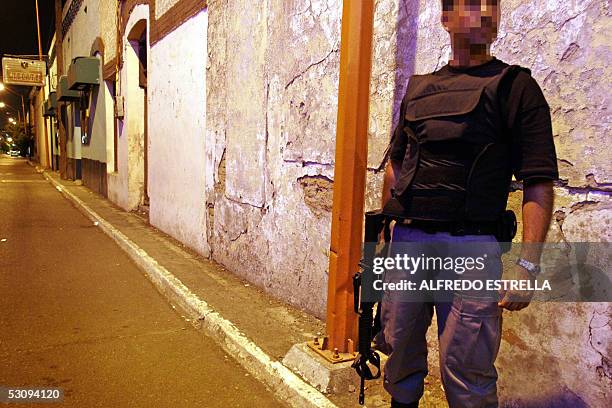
(472,20)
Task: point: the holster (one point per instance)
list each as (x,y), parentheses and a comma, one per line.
(506,230)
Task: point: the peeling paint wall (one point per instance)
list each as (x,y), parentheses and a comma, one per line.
(272,81)
(126,186)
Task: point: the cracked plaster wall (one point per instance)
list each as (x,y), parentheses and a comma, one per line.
(557,352)
(272,80)
(126,185)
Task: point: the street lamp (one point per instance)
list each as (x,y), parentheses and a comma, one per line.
(2,88)
(6,105)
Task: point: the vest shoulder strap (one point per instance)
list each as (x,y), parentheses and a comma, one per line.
(503,94)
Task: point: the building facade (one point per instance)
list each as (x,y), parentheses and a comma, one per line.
(219,119)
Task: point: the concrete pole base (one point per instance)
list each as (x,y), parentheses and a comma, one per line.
(330,378)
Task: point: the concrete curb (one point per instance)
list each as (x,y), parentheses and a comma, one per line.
(287,385)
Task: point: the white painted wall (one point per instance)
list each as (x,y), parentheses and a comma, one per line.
(125,187)
(83,31)
(42,145)
(177,127)
(109,117)
(73,143)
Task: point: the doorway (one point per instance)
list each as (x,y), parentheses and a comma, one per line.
(137,109)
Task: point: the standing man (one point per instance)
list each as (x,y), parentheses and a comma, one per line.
(463,131)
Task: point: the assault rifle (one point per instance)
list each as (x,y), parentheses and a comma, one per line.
(375,223)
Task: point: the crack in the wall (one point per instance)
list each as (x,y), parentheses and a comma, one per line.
(309,163)
(524,34)
(240,234)
(559,217)
(581,205)
(314,64)
(570,51)
(605,369)
(376,170)
(268,179)
(221,172)
(242,203)
(591,186)
(565,161)
(300,13)
(310,10)
(440,55)
(567,20)
(219,191)
(541,27)
(594,184)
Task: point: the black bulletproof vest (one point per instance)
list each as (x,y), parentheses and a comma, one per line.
(457,165)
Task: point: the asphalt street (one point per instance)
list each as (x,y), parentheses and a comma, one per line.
(76,313)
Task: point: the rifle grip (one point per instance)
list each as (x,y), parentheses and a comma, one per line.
(356,291)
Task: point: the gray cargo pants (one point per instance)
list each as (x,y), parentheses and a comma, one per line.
(469,328)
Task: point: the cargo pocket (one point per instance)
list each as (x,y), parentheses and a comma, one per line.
(473,335)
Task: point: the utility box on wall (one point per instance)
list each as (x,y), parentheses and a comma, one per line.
(83,73)
(64,93)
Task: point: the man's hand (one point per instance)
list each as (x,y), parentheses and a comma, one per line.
(537,211)
(517,300)
(392,172)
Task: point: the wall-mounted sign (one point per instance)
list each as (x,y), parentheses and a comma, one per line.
(19,71)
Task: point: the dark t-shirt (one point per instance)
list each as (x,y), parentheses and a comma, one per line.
(528,120)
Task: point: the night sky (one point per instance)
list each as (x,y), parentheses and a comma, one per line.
(18,36)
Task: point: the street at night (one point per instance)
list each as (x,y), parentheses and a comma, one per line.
(76,313)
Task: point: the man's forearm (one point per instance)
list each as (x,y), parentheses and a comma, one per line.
(392,170)
(538,201)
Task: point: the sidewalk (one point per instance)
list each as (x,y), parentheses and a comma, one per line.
(251,326)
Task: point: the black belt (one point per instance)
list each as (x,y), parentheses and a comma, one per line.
(457,228)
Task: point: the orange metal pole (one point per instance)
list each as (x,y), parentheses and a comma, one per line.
(350,170)
(38,28)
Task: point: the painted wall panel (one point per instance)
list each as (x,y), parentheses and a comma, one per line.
(177,126)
